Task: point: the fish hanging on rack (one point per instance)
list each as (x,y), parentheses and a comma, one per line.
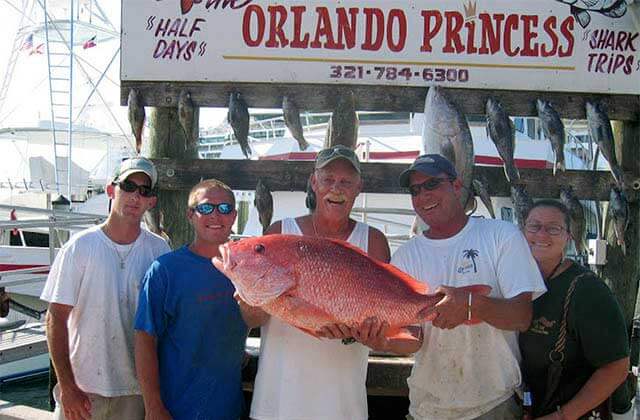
(238,117)
(553,129)
(501,131)
(343,124)
(446,132)
(136,116)
(292,121)
(186,116)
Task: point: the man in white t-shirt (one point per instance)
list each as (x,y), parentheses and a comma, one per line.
(464,371)
(92,290)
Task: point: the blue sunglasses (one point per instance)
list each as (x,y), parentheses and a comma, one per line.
(208,208)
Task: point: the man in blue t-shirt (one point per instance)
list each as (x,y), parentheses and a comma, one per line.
(190,331)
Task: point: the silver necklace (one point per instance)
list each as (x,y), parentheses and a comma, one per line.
(120,257)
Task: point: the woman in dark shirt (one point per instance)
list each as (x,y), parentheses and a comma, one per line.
(596,351)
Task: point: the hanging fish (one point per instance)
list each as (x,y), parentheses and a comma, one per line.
(186,116)
(522,203)
(446,132)
(343,124)
(502,132)
(238,117)
(576,213)
(480,189)
(619,212)
(553,129)
(264,203)
(292,120)
(136,116)
(602,134)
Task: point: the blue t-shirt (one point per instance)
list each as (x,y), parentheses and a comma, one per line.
(188,305)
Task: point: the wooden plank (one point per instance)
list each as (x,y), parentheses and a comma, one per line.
(622,271)
(378,177)
(167,139)
(322,97)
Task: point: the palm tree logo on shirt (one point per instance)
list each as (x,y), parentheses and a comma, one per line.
(471,254)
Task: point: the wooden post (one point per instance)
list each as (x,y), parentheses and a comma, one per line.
(167,140)
(622,272)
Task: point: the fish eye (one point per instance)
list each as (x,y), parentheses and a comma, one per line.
(259,248)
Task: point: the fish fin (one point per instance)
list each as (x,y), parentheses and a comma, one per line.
(412,283)
(399,333)
(582,16)
(310,332)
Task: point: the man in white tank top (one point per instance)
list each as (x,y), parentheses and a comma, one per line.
(301,377)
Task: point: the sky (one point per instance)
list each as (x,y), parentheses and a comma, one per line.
(28,101)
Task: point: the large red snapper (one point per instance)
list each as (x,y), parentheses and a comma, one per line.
(312,282)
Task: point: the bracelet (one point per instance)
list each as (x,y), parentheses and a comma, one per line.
(469,307)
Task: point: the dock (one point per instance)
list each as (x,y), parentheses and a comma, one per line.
(22,343)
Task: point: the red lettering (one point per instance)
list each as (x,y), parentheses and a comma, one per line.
(511,24)
(530,48)
(430,32)
(471,34)
(324,29)
(550,28)
(277,18)
(347,27)
(399,16)
(297,42)
(373,42)
(453,42)
(491,35)
(566,29)
(256,10)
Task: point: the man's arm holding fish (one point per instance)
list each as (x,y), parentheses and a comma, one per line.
(253,316)
(373,334)
(505,314)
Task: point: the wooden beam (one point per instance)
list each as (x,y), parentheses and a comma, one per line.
(322,97)
(378,177)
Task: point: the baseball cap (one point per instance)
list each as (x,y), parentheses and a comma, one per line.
(326,156)
(431,165)
(134,165)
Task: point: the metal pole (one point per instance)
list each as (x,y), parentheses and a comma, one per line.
(69,160)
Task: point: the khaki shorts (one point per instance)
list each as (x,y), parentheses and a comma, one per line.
(508,410)
(130,407)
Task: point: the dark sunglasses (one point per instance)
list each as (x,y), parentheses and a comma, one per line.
(428,185)
(208,208)
(143,190)
(328,153)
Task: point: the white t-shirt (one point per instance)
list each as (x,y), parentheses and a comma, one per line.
(465,372)
(301,377)
(87,275)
